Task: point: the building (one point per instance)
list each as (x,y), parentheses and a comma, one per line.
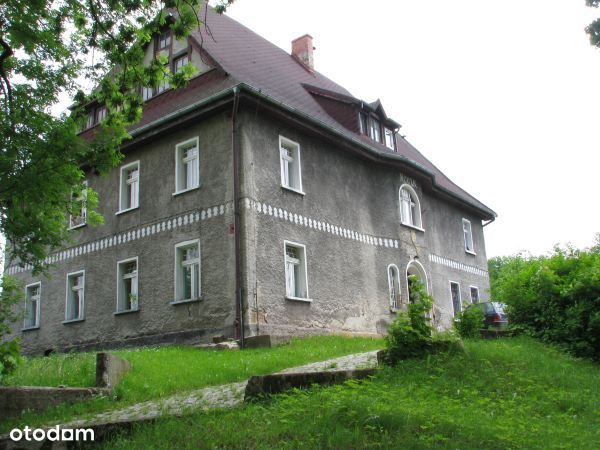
(261,199)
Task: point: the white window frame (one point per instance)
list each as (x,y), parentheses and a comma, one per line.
(123,182)
(120,277)
(147,93)
(411,221)
(374,129)
(28,299)
(454,312)
(468,236)
(83,210)
(178,273)
(81,297)
(397,301)
(168,37)
(289,163)
(285,259)
(471,294)
(388,132)
(176,62)
(179,165)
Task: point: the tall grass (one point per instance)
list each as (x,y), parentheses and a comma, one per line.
(504,394)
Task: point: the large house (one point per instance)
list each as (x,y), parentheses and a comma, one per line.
(261,199)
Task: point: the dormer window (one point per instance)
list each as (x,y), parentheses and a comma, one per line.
(389,139)
(164,40)
(180,62)
(374,129)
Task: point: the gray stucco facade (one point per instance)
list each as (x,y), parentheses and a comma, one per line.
(343,230)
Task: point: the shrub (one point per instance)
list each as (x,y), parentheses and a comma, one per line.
(9,349)
(469,322)
(555,298)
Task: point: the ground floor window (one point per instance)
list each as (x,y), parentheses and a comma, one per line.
(455,296)
(296,282)
(187,271)
(32,305)
(127,288)
(474,294)
(75,296)
(394,286)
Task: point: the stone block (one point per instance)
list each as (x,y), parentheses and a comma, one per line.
(265,385)
(110,369)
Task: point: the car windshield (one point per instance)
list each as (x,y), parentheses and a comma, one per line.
(499,307)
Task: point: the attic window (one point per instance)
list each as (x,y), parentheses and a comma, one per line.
(180,62)
(164,40)
(374,129)
(389,139)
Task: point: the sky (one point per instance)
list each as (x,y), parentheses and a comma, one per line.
(502,96)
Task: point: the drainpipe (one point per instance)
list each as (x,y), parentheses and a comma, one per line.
(239,309)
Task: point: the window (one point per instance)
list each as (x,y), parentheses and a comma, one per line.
(363,123)
(296,282)
(468,234)
(455,297)
(78,215)
(90,120)
(474,294)
(187,174)
(187,271)
(32,306)
(374,129)
(127,287)
(180,62)
(75,296)
(291,173)
(164,40)
(100,114)
(410,207)
(389,139)
(129,191)
(164,85)
(147,93)
(394,287)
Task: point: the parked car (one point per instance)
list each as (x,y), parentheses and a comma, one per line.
(493,314)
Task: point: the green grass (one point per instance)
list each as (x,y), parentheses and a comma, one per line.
(503,394)
(162,371)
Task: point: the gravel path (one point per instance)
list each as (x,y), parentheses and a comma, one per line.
(223,396)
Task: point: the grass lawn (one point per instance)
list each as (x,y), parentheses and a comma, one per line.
(162,371)
(503,394)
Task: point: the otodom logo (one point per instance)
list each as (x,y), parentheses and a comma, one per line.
(54,434)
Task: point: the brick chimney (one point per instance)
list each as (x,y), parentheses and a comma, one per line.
(302,49)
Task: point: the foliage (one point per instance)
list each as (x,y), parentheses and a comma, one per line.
(162,371)
(593,29)
(9,348)
(409,335)
(555,298)
(469,322)
(45,45)
(511,393)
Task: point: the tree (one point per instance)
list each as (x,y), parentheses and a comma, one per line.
(51,47)
(593,29)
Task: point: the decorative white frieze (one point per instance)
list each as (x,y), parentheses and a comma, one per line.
(457,265)
(141,232)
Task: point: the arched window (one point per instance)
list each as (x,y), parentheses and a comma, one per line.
(416,268)
(394,286)
(410,207)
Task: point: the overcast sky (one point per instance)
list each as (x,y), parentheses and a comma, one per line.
(502,96)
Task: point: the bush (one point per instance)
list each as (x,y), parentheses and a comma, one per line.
(9,349)
(411,335)
(469,322)
(555,298)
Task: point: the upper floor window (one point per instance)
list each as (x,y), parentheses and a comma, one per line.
(187,271)
(468,235)
(374,129)
(296,281)
(147,93)
(389,139)
(164,40)
(127,289)
(363,123)
(291,171)
(187,165)
(410,207)
(100,114)
(32,305)
(78,215)
(394,286)
(130,187)
(180,62)
(75,296)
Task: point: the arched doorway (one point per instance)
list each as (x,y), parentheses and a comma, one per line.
(416,268)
